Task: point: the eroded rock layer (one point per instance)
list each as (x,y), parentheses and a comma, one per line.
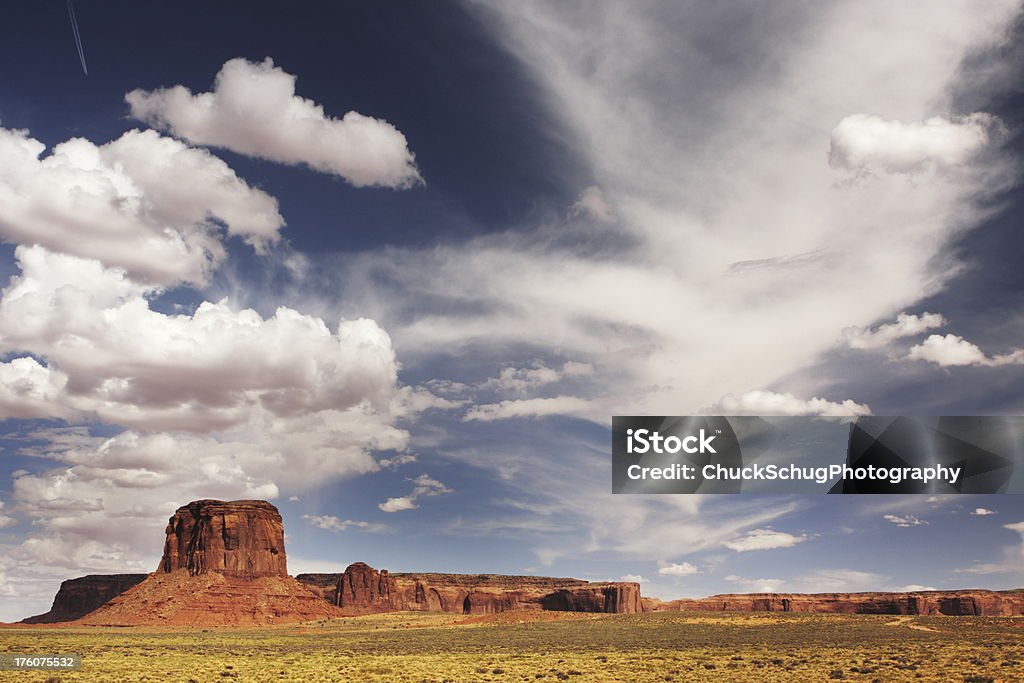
(952,603)
(241,538)
(78,597)
(362,588)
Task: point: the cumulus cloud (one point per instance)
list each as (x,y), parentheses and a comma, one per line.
(425,486)
(109,354)
(906,325)
(772,403)
(31,390)
(863,142)
(338,525)
(253,110)
(632,578)
(764,539)
(677,569)
(982,512)
(398,504)
(905,521)
(145,203)
(953,350)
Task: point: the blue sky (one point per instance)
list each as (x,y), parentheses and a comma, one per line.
(409,326)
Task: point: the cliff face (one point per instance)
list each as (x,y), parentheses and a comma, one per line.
(952,603)
(78,597)
(324,586)
(242,538)
(362,588)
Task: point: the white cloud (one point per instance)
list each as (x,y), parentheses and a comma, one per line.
(338,525)
(838,581)
(110,355)
(914,588)
(982,512)
(677,569)
(425,486)
(31,390)
(410,401)
(1017,526)
(986,568)
(571,406)
(772,403)
(697,187)
(952,350)
(145,203)
(756,585)
(764,539)
(525,379)
(592,203)
(397,461)
(6,520)
(863,142)
(398,504)
(253,110)
(906,325)
(633,578)
(905,521)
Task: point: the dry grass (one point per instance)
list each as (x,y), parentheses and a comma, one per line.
(444,647)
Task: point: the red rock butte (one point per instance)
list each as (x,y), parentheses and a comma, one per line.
(241,538)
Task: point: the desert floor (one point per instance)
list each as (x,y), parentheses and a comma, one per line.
(546,647)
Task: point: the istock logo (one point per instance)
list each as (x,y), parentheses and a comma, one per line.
(646,441)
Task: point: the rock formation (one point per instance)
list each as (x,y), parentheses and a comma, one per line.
(242,538)
(78,597)
(212,599)
(362,588)
(223,565)
(323,585)
(952,603)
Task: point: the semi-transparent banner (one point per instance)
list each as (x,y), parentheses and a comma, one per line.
(714,454)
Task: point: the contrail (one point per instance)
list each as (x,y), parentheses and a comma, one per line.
(78,38)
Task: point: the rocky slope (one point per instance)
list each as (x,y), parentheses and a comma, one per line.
(78,597)
(211,599)
(953,603)
(362,588)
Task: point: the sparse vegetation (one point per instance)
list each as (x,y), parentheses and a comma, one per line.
(675,646)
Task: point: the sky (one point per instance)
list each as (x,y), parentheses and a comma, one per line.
(394,266)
